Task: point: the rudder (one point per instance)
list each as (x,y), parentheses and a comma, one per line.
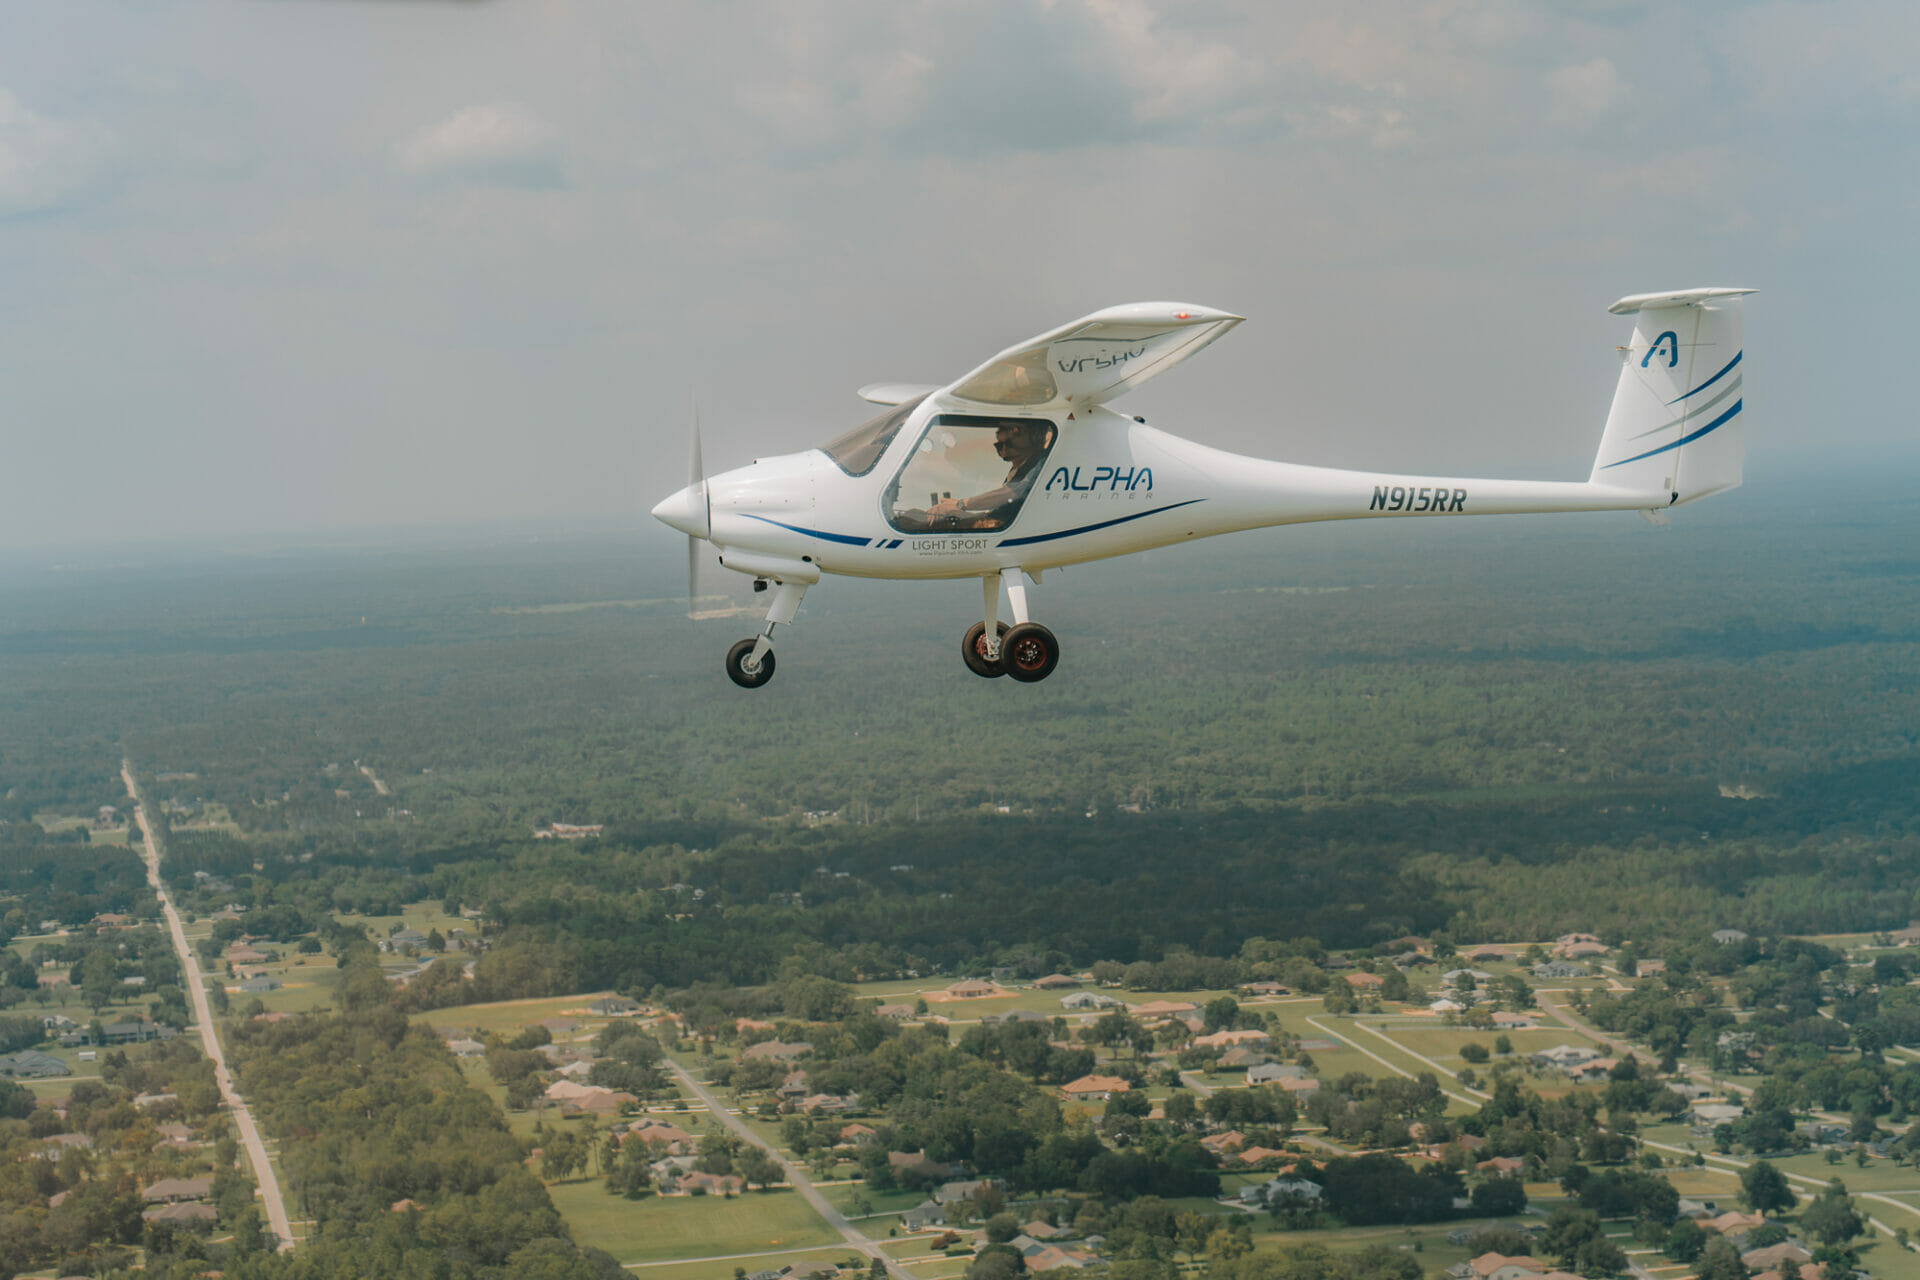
(1676,425)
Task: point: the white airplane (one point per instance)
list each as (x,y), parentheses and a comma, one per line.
(1020,467)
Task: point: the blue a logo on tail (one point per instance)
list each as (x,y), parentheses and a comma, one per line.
(1667,342)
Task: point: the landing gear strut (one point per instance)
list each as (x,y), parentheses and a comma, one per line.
(750,662)
(1026,651)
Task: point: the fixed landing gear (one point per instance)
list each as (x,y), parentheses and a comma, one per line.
(981,658)
(1026,651)
(750,662)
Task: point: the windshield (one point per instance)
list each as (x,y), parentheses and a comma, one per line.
(857,451)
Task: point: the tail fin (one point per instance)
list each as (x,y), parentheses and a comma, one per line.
(1675,427)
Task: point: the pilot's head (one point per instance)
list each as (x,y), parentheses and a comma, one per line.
(1015,442)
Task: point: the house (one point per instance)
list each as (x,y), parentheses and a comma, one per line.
(242,953)
(1598,1069)
(192,1212)
(1090,1000)
(1731,1223)
(1055,982)
(1497,1266)
(1707,1115)
(923,1217)
(858,1135)
(1486,953)
(1564,1056)
(1458,977)
(135,1030)
(1275,1073)
(1300,1088)
(1094,1088)
(465,1047)
(1223,1039)
(1241,1059)
(1513,1021)
(1264,989)
(1280,1190)
(656,1133)
(829,1103)
(898,1012)
(694,1182)
(778,1050)
(1224,1143)
(258,986)
(973,989)
(1582,950)
(1259,1155)
(1727,937)
(1561,969)
(962,1189)
(1505,1165)
(1164,1008)
(1039,1230)
(1776,1257)
(32,1064)
(1906,937)
(1444,1005)
(613,1007)
(144,1100)
(173,1190)
(794,1086)
(1013,1015)
(1364,980)
(1649,968)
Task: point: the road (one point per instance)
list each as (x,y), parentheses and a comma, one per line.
(795,1175)
(263,1175)
(378,785)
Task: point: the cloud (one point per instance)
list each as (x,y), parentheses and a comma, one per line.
(45,163)
(1582,94)
(494,144)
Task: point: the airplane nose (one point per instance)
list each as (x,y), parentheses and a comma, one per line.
(686,511)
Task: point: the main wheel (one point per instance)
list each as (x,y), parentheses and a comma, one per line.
(737,669)
(973,651)
(1029,652)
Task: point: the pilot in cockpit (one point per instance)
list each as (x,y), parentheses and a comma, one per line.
(1022,446)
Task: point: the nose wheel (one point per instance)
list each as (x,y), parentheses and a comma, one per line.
(744,669)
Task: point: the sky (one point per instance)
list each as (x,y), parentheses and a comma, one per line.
(294,266)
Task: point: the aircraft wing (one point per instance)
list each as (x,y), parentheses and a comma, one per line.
(1094,359)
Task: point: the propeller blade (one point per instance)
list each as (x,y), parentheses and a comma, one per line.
(696,475)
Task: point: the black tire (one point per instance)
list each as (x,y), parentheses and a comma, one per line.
(739,674)
(973,651)
(1029,652)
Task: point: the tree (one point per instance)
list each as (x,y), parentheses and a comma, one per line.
(1474,1052)
(1499,1197)
(757,1167)
(1765,1190)
(1599,1258)
(1831,1218)
(1685,1241)
(1721,1261)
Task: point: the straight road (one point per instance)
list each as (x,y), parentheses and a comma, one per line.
(263,1175)
(795,1174)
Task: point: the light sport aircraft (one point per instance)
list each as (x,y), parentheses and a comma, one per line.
(1020,467)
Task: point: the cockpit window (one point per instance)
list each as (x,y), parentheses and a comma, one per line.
(968,473)
(857,451)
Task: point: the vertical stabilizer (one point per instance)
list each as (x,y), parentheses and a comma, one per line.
(1676,425)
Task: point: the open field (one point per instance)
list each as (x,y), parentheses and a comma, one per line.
(659,1228)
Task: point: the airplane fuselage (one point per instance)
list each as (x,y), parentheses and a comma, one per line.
(1111,485)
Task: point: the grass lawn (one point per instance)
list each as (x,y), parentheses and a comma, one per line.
(842,1198)
(660,1228)
(724,1270)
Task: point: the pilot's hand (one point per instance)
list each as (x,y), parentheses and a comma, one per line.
(946,507)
